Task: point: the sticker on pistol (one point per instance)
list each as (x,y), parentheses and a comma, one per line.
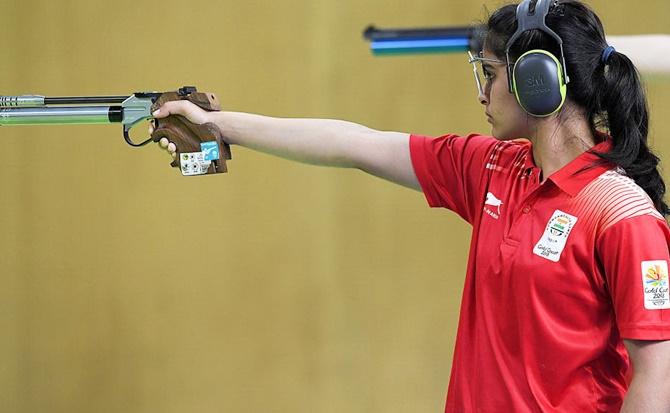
(193,163)
(655,285)
(551,245)
(210,149)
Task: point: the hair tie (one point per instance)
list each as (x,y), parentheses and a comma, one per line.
(606,54)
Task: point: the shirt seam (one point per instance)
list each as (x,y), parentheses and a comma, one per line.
(646,326)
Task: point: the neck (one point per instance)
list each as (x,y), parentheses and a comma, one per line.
(560,139)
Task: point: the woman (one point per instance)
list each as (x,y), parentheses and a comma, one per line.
(567,282)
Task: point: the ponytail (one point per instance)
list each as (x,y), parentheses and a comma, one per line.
(623,110)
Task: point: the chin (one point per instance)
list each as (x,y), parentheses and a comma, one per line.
(503,135)
(499,134)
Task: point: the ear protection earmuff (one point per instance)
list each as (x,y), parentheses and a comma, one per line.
(537,78)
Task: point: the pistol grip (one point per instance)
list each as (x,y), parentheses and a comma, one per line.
(195,143)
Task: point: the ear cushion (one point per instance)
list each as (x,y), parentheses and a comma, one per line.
(538,83)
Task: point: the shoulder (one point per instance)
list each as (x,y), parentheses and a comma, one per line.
(472,152)
(618,198)
(510,156)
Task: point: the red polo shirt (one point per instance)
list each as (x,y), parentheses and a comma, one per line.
(559,273)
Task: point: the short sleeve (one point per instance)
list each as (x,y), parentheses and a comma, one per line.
(451,170)
(634,254)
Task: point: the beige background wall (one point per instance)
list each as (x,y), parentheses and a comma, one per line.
(279,287)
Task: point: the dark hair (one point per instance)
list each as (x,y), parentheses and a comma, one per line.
(610,93)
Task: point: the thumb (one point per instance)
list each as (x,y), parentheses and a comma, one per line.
(170,108)
(181,107)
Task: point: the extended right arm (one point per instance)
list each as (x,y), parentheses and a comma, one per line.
(324,142)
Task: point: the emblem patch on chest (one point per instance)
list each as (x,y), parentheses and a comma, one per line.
(494,204)
(551,245)
(655,284)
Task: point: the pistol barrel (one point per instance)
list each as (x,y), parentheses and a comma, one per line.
(38,100)
(24,100)
(60,115)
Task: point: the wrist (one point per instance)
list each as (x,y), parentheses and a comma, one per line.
(216,118)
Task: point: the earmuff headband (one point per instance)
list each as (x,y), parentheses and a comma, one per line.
(530,15)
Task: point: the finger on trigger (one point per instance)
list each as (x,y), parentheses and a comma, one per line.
(163,143)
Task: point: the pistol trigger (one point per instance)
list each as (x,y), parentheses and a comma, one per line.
(130,142)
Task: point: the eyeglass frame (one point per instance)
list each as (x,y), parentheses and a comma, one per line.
(473,61)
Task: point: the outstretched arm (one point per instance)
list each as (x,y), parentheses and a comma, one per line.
(324,142)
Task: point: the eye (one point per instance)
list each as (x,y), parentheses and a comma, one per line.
(488,74)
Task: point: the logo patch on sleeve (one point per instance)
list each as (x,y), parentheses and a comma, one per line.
(655,285)
(551,245)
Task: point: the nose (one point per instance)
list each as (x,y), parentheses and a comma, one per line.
(482,98)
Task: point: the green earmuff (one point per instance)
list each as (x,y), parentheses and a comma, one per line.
(537,83)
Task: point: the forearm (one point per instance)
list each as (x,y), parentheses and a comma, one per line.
(315,141)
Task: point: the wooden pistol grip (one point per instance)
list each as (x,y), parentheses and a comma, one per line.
(188,136)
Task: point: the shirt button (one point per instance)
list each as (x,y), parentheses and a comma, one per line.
(526,209)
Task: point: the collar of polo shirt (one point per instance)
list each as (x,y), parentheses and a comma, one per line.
(583,169)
